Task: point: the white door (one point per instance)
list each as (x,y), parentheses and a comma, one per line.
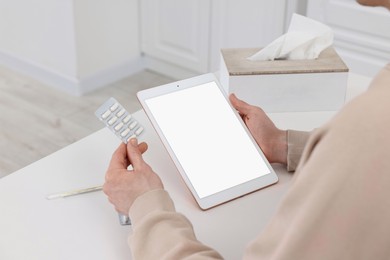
(180,37)
(246,24)
(177,32)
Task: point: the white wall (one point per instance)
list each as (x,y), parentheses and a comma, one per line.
(294,6)
(82,45)
(39,33)
(106,34)
(73,45)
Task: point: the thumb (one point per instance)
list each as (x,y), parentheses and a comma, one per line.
(242,107)
(143,147)
(134,154)
(119,159)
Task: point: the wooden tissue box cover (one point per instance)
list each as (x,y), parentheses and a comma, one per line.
(285,85)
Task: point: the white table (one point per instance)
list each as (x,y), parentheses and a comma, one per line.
(86,226)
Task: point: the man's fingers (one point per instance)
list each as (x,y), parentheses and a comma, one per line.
(134,154)
(242,107)
(143,147)
(119,158)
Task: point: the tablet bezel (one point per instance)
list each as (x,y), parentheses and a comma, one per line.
(227,194)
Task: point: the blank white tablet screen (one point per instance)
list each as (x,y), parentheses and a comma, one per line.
(207,138)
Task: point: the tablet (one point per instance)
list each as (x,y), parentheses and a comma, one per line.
(207,140)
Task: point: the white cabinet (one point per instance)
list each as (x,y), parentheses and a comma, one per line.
(183,38)
(362,34)
(177,32)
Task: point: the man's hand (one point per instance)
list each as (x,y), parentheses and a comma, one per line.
(123,186)
(273,141)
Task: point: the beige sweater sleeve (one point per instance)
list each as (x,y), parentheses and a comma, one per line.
(337,207)
(159,232)
(296,141)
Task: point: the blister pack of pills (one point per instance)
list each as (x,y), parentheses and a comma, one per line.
(123,125)
(118,120)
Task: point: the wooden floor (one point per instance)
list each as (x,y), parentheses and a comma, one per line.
(37,120)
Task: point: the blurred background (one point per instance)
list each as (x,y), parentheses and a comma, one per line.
(60,59)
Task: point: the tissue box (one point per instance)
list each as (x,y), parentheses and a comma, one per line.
(285,85)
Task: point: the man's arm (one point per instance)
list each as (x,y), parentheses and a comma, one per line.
(338,205)
(159,232)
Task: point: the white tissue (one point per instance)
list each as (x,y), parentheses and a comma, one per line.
(304,40)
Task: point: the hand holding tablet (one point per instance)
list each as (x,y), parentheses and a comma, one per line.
(192,114)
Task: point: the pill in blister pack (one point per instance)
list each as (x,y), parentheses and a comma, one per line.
(118,120)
